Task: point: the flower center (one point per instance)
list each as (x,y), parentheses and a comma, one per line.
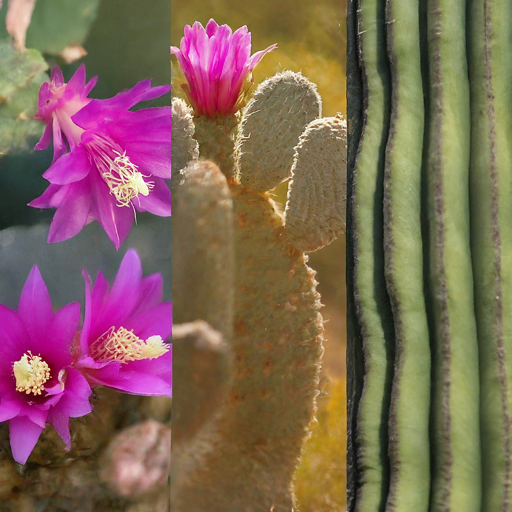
(117,170)
(31,372)
(123,346)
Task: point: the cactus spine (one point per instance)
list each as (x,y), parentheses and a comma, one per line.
(245,454)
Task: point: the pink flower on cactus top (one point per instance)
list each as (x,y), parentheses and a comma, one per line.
(217,65)
(123,343)
(38,385)
(117,160)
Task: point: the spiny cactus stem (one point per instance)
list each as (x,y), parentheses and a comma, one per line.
(216,142)
(409,447)
(456,481)
(371,298)
(490,30)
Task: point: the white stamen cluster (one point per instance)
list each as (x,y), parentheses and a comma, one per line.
(31,372)
(123,346)
(124,179)
(122,176)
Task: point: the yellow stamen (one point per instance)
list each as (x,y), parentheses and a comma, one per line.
(123,346)
(124,179)
(31,372)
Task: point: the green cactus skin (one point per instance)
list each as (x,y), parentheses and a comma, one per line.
(275,117)
(456,483)
(371,298)
(490,25)
(315,210)
(409,446)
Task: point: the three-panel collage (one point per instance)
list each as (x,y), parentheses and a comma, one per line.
(255,256)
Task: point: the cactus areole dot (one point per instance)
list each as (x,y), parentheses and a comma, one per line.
(31,373)
(122,346)
(218,66)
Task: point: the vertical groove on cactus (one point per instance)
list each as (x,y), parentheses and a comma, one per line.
(372,301)
(409,447)
(456,432)
(355,363)
(490,30)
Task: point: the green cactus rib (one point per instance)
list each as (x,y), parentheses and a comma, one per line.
(456,480)
(409,446)
(372,301)
(490,25)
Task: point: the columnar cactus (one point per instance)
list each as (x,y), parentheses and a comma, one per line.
(252,267)
(427,254)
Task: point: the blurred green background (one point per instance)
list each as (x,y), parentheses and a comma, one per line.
(126,41)
(311,38)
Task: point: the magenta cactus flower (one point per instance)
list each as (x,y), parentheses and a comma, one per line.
(117,160)
(123,343)
(38,384)
(217,65)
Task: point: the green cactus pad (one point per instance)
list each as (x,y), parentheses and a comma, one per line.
(272,122)
(184,146)
(20,79)
(315,211)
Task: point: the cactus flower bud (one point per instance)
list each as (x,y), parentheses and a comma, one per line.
(218,65)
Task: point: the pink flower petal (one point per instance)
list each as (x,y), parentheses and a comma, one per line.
(13,335)
(123,297)
(72,213)
(9,409)
(158,201)
(45,139)
(138,384)
(24,435)
(51,197)
(70,168)
(151,293)
(60,423)
(35,307)
(115,220)
(75,400)
(60,334)
(154,321)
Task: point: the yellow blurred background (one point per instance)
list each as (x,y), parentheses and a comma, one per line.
(311,38)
